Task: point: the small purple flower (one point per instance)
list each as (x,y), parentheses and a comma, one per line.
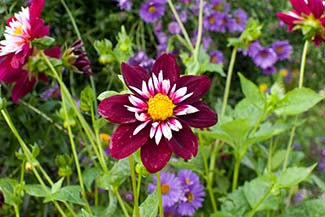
(265,58)
(240,20)
(269,70)
(174,28)
(216,57)
(283,49)
(141,59)
(171,188)
(171,212)
(151,11)
(216,5)
(194,193)
(125,4)
(206,41)
(254,48)
(53,92)
(216,22)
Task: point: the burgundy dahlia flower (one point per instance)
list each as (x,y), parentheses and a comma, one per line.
(15,49)
(306,15)
(158,114)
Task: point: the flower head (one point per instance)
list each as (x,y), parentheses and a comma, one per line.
(141,59)
(265,57)
(240,21)
(157,115)
(171,188)
(282,49)
(151,11)
(171,211)
(216,57)
(125,4)
(53,92)
(307,16)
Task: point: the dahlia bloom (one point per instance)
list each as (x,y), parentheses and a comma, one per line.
(158,114)
(15,49)
(306,15)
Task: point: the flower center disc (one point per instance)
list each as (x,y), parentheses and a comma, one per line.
(165,188)
(190,197)
(152,9)
(160,107)
(19,30)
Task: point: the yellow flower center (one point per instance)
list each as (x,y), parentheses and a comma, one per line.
(152,9)
(165,188)
(283,72)
(211,20)
(160,107)
(217,6)
(187,181)
(279,49)
(18,30)
(262,87)
(214,59)
(170,215)
(105,138)
(189,196)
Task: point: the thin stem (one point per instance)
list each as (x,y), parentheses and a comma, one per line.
(228,82)
(289,147)
(303,64)
(199,34)
(187,38)
(16,208)
(125,212)
(253,211)
(134,187)
(236,172)
(269,161)
(161,209)
(139,185)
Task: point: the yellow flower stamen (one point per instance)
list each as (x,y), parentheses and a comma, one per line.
(212,20)
(18,30)
(283,72)
(189,196)
(160,107)
(165,188)
(262,87)
(152,9)
(105,138)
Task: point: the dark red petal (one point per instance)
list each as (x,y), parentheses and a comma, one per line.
(134,75)
(198,85)
(113,109)
(154,157)
(23,86)
(38,30)
(12,18)
(167,63)
(316,7)
(20,58)
(184,143)
(35,8)
(124,143)
(300,6)
(53,52)
(205,117)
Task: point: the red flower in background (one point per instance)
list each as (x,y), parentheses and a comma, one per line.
(158,114)
(306,15)
(15,49)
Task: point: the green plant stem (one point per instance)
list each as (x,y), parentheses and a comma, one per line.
(161,209)
(134,187)
(253,211)
(119,199)
(65,93)
(236,172)
(16,208)
(139,185)
(209,186)
(199,34)
(228,82)
(187,38)
(300,85)
(75,156)
(269,162)
(29,157)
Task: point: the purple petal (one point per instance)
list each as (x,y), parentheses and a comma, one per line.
(167,63)
(124,143)
(205,117)
(134,75)
(198,85)
(184,143)
(154,157)
(113,109)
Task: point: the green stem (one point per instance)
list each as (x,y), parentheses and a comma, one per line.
(289,147)
(125,212)
(16,208)
(269,161)
(228,82)
(199,34)
(139,185)
(187,38)
(161,209)
(236,172)
(253,211)
(303,64)
(134,187)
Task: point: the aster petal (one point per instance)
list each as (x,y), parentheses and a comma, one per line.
(198,85)
(23,86)
(300,6)
(154,157)
(316,7)
(168,65)
(113,109)
(134,75)
(184,143)
(205,117)
(124,143)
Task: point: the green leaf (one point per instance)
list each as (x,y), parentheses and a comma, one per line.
(278,158)
(293,176)
(89,175)
(43,43)
(320,183)
(57,186)
(297,101)
(86,99)
(235,204)
(221,214)
(36,190)
(149,207)
(69,194)
(106,94)
(308,208)
(7,187)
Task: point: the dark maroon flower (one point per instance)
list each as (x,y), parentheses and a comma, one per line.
(2,199)
(158,114)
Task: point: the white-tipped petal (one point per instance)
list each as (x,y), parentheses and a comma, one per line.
(166,131)
(179,94)
(151,87)
(152,131)
(185,109)
(136,101)
(165,86)
(133,109)
(145,90)
(175,122)
(142,117)
(158,135)
(140,127)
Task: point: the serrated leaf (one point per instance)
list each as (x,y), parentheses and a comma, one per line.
(7,187)
(149,207)
(69,194)
(89,175)
(293,176)
(308,208)
(297,101)
(86,99)
(235,203)
(36,190)
(57,186)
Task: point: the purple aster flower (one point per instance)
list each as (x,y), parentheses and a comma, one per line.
(188,178)
(125,4)
(174,28)
(230,23)
(194,197)
(215,22)
(206,41)
(53,92)
(162,37)
(216,57)
(269,70)
(171,188)
(265,58)
(151,11)
(254,48)
(141,59)
(240,20)
(171,211)
(216,5)
(283,49)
